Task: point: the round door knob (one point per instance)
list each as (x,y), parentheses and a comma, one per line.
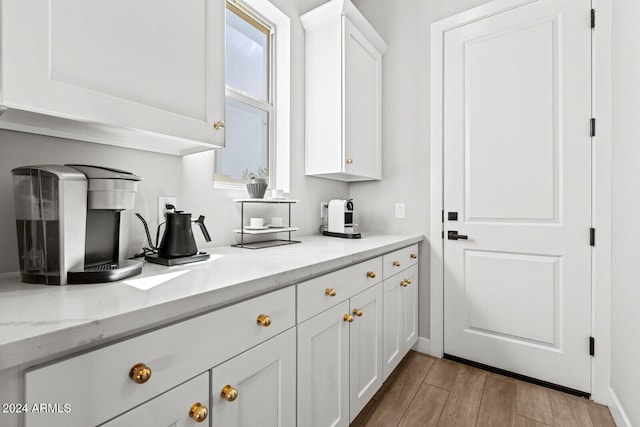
(198,412)
(396,263)
(357,312)
(330,292)
(218,125)
(140,373)
(264,320)
(349,161)
(371,274)
(414,256)
(229,393)
(347,318)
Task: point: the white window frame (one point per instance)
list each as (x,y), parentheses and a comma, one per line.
(279,93)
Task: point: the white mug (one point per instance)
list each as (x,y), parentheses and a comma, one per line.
(256,222)
(276,221)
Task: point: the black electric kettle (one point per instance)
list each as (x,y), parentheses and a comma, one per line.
(177,240)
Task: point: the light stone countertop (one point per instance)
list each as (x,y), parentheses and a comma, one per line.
(39,322)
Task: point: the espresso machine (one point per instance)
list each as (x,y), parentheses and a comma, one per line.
(340,220)
(68,223)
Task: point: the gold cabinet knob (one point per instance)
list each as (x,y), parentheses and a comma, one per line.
(404,283)
(218,125)
(349,161)
(347,318)
(229,393)
(198,412)
(357,312)
(396,263)
(330,292)
(408,281)
(263,320)
(140,373)
(371,274)
(414,256)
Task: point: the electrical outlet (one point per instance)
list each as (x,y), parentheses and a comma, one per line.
(399,210)
(162,202)
(323,207)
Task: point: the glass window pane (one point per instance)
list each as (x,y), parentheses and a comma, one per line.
(246,149)
(247,56)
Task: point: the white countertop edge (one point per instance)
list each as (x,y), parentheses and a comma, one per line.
(83,334)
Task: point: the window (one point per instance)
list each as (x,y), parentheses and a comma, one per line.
(257,96)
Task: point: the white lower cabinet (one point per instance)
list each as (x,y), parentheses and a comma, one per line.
(258,387)
(400,316)
(183,406)
(340,360)
(323,369)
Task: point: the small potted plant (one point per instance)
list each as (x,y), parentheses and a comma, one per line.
(256,185)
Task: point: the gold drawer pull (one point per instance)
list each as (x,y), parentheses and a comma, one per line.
(404,283)
(347,318)
(229,393)
(357,312)
(330,292)
(263,320)
(140,373)
(371,274)
(198,412)
(414,256)
(349,161)
(396,263)
(408,281)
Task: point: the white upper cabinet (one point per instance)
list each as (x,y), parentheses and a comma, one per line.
(145,74)
(343,93)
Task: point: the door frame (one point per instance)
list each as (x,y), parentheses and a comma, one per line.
(601,185)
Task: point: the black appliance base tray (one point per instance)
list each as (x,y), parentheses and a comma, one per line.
(343,235)
(156,259)
(109,272)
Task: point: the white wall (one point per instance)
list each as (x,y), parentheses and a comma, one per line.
(190,178)
(625,288)
(406,27)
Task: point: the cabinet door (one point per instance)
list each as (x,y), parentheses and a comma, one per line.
(365,348)
(362,104)
(257,387)
(152,65)
(409,312)
(323,369)
(171,409)
(392,342)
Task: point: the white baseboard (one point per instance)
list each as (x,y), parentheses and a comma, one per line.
(423,345)
(619,416)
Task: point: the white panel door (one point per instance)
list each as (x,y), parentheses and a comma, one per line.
(265,381)
(517,170)
(323,369)
(365,348)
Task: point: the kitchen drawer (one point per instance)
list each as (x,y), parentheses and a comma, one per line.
(97,385)
(315,295)
(397,261)
(171,409)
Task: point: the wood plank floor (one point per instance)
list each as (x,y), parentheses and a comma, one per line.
(426,391)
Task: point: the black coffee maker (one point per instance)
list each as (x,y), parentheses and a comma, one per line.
(178,245)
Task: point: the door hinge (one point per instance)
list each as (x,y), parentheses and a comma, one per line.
(592,346)
(593,127)
(593,18)
(592,236)
(442,234)
(443,216)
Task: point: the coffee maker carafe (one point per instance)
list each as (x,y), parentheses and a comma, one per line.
(68,223)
